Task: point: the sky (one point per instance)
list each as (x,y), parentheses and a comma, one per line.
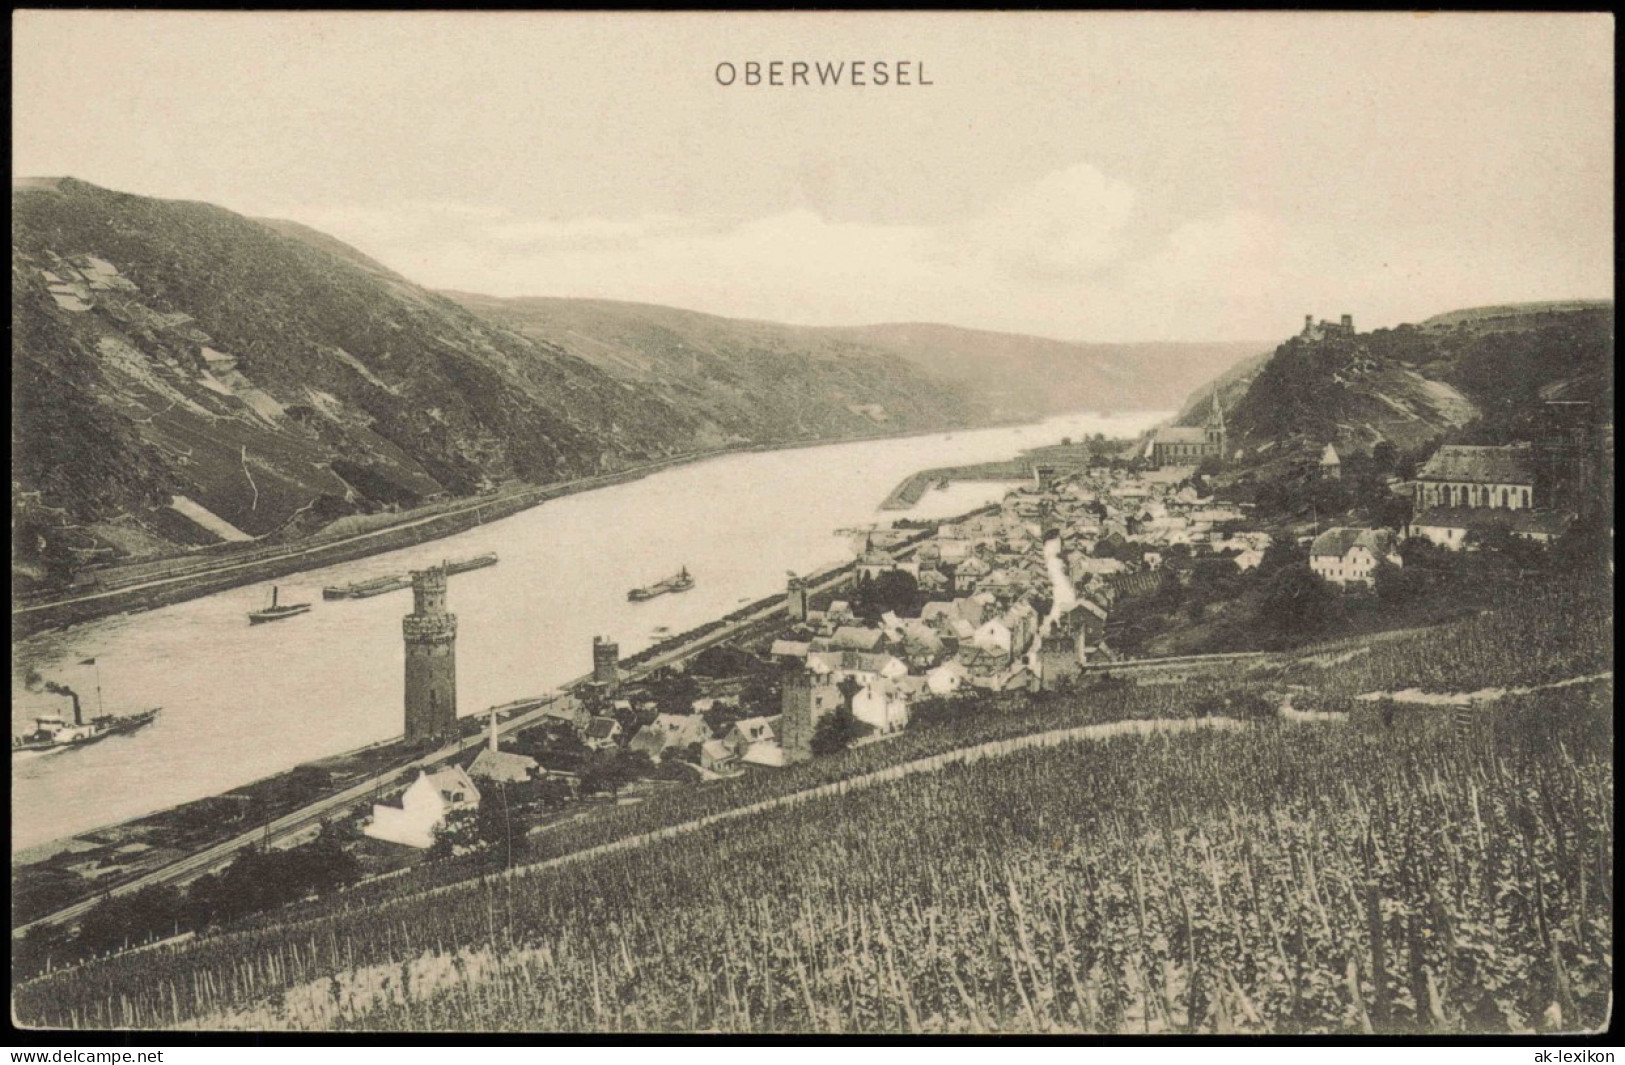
(1097,177)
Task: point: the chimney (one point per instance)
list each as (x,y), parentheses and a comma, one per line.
(493,730)
(77,718)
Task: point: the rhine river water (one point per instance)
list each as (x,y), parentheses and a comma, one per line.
(242,702)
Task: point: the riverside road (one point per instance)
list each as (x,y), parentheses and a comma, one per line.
(195,865)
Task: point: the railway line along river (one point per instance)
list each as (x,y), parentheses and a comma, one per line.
(241,702)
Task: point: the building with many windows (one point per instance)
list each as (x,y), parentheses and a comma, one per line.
(1348,556)
(1459,475)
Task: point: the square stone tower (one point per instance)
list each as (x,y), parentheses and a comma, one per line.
(431,659)
(807,697)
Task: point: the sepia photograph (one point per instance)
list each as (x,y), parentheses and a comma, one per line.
(866,524)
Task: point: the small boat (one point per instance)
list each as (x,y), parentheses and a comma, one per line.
(679,582)
(275,612)
(52,733)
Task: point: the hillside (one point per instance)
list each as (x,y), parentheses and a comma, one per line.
(747,379)
(185,375)
(1118,860)
(1033,375)
(738,369)
(1476,375)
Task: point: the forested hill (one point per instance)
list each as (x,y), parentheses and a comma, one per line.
(753,374)
(1029,375)
(1474,376)
(184,374)
(747,379)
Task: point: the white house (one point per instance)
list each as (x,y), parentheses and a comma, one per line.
(947,678)
(714,755)
(1453,527)
(993,635)
(1248,559)
(424,806)
(1350,556)
(882,705)
(749,732)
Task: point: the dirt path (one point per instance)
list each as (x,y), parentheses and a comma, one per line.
(1483,695)
(962,755)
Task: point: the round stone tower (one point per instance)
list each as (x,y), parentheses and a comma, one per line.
(431,659)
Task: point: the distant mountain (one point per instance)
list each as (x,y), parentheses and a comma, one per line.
(1478,375)
(689,353)
(1025,375)
(183,374)
(747,379)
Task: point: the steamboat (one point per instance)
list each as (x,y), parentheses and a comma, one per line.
(52,733)
(276,612)
(678,582)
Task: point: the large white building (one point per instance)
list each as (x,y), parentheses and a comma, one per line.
(1462,476)
(1350,556)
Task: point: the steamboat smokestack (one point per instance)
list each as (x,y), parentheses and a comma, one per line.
(63,689)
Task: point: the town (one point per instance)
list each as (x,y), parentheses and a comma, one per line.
(1118,544)
(1110,557)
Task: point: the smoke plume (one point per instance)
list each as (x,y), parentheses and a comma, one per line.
(1065,596)
(62,689)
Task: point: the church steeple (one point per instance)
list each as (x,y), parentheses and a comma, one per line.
(1215,426)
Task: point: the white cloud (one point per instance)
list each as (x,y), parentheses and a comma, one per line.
(1069,255)
(1062,227)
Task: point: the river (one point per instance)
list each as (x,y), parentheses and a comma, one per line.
(242,702)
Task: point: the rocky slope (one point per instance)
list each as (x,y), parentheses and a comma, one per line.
(1478,375)
(186,375)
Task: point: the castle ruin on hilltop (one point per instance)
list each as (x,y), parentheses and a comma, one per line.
(1325,329)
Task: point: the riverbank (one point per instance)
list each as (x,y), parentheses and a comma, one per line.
(149,585)
(1065,456)
(165,846)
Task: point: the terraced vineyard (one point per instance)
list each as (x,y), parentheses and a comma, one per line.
(1413,875)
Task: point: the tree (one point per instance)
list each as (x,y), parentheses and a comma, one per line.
(1394,584)
(1272,497)
(835,731)
(1393,512)
(894,590)
(674,693)
(549,792)
(1587,546)
(1297,605)
(1384,457)
(601,772)
(1278,556)
(494,823)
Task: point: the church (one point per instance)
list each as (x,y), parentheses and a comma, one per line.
(1189,445)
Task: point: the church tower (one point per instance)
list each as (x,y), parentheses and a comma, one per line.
(431,659)
(1215,428)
